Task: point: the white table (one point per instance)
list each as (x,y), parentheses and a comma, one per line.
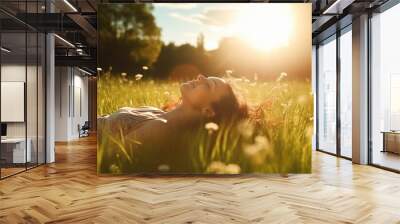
(17,145)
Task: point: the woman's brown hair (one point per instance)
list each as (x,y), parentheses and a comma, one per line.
(229,108)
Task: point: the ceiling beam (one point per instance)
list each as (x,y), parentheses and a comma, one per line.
(81,61)
(337,6)
(84,24)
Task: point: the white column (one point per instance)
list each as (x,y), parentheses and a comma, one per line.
(50,92)
(360,89)
(50,105)
(62,103)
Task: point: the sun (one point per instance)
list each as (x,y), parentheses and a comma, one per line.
(265,26)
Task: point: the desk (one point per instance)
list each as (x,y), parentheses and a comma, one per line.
(13,150)
(391,141)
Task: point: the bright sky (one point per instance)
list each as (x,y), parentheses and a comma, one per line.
(265,26)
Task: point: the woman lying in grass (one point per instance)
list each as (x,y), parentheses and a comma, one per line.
(147,128)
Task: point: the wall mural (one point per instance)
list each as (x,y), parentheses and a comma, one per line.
(190,88)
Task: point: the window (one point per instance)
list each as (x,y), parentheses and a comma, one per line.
(385,89)
(346,93)
(327,96)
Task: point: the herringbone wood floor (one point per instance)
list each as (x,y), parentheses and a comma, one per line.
(69,191)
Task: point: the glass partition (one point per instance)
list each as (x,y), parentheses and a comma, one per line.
(385,89)
(22,91)
(14,153)
(327,96)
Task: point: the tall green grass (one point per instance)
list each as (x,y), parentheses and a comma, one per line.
(275,139)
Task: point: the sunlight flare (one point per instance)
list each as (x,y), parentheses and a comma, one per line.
(265,27)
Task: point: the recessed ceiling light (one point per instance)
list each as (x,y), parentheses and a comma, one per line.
(65,41)
(84,71)
(70,5)
(338,6)
(5,50)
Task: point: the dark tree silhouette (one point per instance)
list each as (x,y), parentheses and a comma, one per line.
(128,36)
(180,62)
(200,42)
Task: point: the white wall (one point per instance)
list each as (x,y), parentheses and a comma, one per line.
(71,87)
(12,73)
(81,84)
(34,125)
(61,105)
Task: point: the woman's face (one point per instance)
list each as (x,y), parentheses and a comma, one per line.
(203,91)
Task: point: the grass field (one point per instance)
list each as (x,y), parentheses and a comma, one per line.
(276,139)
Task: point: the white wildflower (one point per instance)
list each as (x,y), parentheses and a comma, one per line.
(261,145)
(163,168)
(216,167)
(282,76)
(123,74)
(145,67)
(138,76)
(211,126)
(261,140)
(246,129)
(115,169)
(302,99)
(232,169)
(219,167)
(252,149)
